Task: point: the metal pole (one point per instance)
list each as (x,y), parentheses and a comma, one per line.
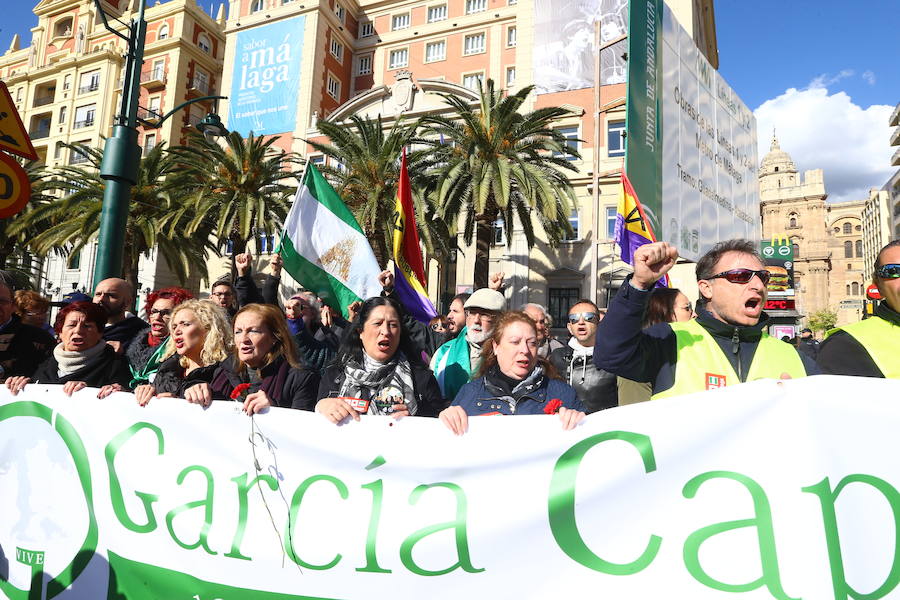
(121,158)
(595,167)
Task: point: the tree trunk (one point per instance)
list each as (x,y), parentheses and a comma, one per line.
(238,246)
(483,233)
(130,261)
(379,247)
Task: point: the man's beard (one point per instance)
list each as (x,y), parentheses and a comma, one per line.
(477,337)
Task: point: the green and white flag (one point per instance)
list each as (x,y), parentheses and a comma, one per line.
(325,249)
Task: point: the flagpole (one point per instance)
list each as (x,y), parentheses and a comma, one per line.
(595,167)
(302,177)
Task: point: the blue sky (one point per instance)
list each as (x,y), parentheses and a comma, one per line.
(823,73)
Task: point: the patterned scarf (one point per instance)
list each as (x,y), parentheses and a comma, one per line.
(379,382)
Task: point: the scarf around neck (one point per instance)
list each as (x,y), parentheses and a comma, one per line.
(494,383)
(380,382)
(70,361)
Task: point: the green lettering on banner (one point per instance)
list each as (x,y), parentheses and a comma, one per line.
(561,504)
(458,525)
(377,489)
(764,530)
(296,499)
(243,489)
(827,498)
(206,502)
(115,488)
(138,581)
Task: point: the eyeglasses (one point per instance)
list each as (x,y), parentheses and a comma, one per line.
(477,312)
(742,276)
(162,312)
(891,271)
(589,317)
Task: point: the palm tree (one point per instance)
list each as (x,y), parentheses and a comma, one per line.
(366,179)
(237,190)
(494,162)
(155,219)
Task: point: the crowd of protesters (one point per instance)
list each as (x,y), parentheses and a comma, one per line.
(479,359)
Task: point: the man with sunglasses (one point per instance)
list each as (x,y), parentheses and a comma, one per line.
(595,387)
(870,348)
(726,344)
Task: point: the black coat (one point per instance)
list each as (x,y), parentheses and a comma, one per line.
(597,389)
(107,368)
(286,386)
(170,378)
(425,388)
(125,331)
(23,348)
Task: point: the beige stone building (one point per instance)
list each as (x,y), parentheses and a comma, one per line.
(67,86)
(829,270)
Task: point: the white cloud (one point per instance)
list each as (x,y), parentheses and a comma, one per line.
(824,80)
(869,77)
(829,132)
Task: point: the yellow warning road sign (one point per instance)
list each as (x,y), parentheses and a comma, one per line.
(13,135)
(15,188)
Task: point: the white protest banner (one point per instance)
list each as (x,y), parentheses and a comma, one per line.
(763,490)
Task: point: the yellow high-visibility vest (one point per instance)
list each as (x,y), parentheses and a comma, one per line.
(881,339)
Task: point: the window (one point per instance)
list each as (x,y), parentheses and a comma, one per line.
(399,21)
(511,2)
(334,88)
(858,248)
(266,243)
(837,229)
(337,50)
(158,72)
(610,222)
(560,300)
(257,6)
(855,287)
(437,13)
(858,228)
(78,156)
(67,82)
(848,289)
(163,32)
(58,150)
(229,247)
(153,107)
(573,223)
(201,81)
(473,80)
(89,82)
(84,116)
(63,112)
(435,51)
(340,12)
(63,27)
(203,43)
(511,36)
(398,58)
(149,142)
(848,228)
(792,220)
(474,6)
(364,65)
(74,261)
(571,135)
(848,249)
(498,237)
(510,76)
(474,44)
(615,138)
(366,30)
(796,247)
(849,266)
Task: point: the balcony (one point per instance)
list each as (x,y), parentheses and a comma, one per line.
(148,114)
(895,160)
(43,100)
(895,138)
(83,124)
(91,87)
(39,132)
(200,84)
(154,79)
(894,121)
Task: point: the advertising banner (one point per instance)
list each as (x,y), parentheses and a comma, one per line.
(768,489)
(691,151)
(778,256)
(266,78)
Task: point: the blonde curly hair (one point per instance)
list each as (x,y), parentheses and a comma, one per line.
(219,337)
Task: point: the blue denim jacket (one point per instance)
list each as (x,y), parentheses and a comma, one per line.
(475,399)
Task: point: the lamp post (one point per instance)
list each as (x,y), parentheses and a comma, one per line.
(122,154)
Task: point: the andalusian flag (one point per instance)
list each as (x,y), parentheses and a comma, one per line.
(632,226)
(325,249)
(409,271)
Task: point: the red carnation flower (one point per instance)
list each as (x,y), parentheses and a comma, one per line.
(238,392)
(553,406)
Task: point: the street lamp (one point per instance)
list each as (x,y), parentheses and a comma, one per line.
(122,154)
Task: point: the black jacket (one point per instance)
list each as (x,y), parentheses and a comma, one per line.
(170,378)
(125,331)
(651,354)
(841,354)
(107,368)
(249,293)
(23,348)
(285,386)
(425,388)
(597,389)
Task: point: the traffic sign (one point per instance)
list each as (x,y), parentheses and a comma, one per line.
(13,135)
(15,188)
(872,292)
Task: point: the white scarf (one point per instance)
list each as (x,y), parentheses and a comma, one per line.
(70,361)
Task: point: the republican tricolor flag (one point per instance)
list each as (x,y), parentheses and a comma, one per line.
(409,270)
(632,226)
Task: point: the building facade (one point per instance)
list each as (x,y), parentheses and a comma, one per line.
(67,87)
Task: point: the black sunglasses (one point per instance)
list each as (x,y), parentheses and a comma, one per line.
(890,271)
(742,276)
